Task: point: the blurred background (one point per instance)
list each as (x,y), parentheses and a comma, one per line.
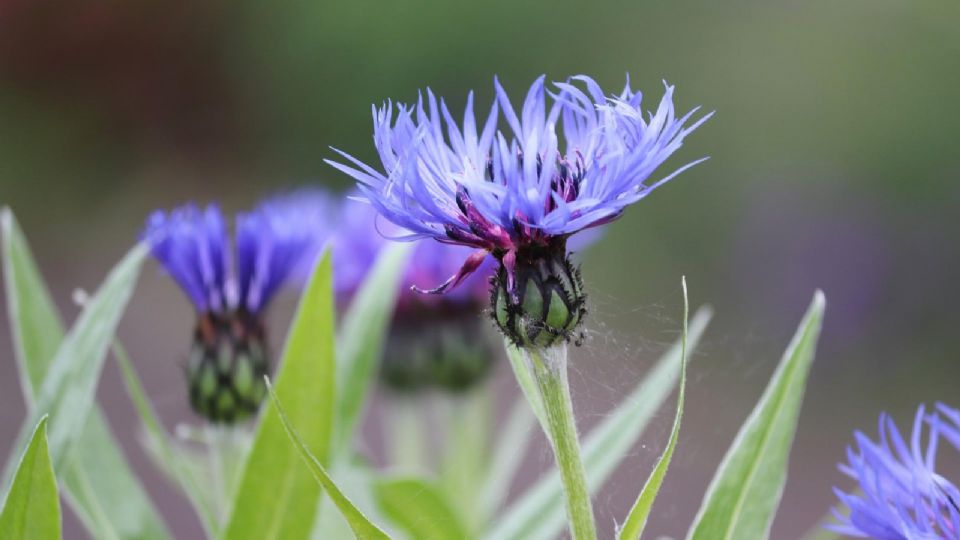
(834,165)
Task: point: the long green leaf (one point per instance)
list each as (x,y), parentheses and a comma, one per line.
(68,390)
(507,456)
(102,489)
(158,442)
(362,528)
(538,513)
(356,478)
(745,492)
(518,363)
(32,509)
(98,482)
(637,518)
(275,499)
(419,509)
(35,324)
(362,334)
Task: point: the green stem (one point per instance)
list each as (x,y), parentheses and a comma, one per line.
(465,453)
(213,436)
(550,371)
(405,434)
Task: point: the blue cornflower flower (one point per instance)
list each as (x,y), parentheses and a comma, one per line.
(228,357)
(519,197)
(901,496)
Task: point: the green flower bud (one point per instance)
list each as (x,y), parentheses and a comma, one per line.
(437,347)
(543,303)
(225,370)
(464,356)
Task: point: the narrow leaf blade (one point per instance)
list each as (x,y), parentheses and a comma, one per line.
(163,449)
(745,492)
(524,378)
(419,509)
(98,482)
(507,456)
(539,513)
(362,334)
(637,518)
(32,509)
(275,499)
(102,489)
(69,388)
(35,323)
(362,528)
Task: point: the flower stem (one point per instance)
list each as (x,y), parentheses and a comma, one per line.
(405,434)
(550,371)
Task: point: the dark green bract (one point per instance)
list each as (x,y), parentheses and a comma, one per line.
(225,371)
(543,305)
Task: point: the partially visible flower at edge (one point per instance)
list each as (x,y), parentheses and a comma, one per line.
(519,198)
(901,495)
(228,357)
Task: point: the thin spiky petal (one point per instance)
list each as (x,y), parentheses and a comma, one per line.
(901,496)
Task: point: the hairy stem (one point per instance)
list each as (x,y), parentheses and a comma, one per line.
(550,371)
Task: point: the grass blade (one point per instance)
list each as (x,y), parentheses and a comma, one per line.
(419,509)
(362,527)
(745,492)
(69,388)
(32,509)
(159,443)
(637,518)
(538,513)
(507,457)
(35,324)
(522,373)
(275,499)
(362,334)
(98,480)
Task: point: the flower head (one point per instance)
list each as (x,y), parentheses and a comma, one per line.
(518,196)
(228,357)
(902,497)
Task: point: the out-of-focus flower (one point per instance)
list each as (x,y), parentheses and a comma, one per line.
(518,198)
(434,341)
(901,496)
(228,357)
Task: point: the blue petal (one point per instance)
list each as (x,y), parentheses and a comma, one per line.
(279,238)
(191,245)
